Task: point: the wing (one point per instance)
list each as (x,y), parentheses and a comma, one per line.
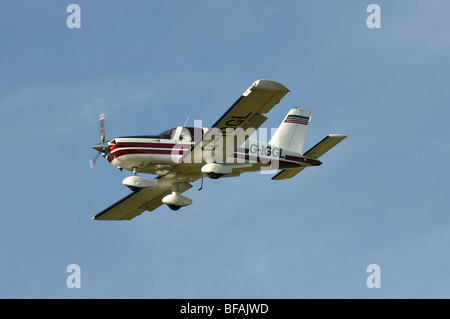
(137,202)
(246,113)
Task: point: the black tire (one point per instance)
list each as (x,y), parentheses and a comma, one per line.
(214,175)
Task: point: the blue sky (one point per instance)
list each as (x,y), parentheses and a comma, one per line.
(381,196)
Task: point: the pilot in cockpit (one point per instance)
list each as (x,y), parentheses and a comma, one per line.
(185,135)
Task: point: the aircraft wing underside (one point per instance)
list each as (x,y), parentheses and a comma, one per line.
(137,202)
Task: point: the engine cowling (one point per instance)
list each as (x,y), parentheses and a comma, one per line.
(175,201)
(215,170)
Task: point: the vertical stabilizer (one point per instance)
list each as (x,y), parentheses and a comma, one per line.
(292,131)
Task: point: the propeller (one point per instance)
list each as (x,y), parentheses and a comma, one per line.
(101,148)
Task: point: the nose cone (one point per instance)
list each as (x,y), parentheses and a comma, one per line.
(101,147)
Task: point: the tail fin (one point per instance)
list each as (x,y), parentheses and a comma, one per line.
(292,131)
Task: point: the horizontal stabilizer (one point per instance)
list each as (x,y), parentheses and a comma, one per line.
(314,152)
(324,145)
(287,173)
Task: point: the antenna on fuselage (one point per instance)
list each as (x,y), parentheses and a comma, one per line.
(186,122)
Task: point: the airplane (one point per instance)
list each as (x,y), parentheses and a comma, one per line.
(182,155)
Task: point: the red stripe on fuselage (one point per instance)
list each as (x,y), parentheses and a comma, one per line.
(130,148)
(150,145)
(120,152)
(310,161)
(288,162)
(279,163)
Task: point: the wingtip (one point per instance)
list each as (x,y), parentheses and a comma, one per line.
(338,135)
(269,85)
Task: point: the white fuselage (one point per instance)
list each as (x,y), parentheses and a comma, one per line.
(153,155)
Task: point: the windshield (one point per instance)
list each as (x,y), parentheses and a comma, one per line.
(167,135)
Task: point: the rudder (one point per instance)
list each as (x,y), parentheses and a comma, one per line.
(292,131)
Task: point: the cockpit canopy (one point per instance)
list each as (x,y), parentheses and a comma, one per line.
(167,135)
(184,134)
